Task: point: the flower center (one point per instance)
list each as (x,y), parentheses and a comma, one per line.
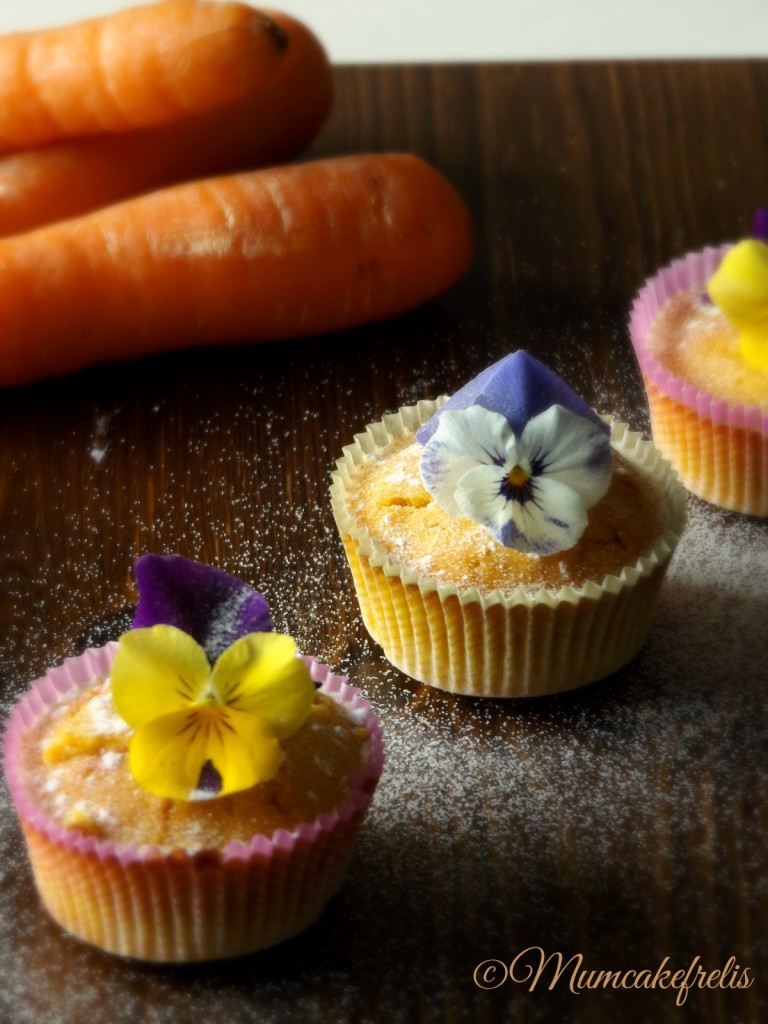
(517,484)
(517,477)
(209,696)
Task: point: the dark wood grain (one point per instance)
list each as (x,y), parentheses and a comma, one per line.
(581,179)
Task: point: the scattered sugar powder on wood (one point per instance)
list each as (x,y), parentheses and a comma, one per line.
(493,823)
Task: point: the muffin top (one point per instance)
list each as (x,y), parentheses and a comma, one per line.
(512,485)
(715,337)
(387,497)
(694,339)
(76,767)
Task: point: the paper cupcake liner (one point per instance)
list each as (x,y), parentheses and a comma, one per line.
(719,449)
(508,644)
(152,904)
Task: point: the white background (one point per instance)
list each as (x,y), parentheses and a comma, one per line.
(432,30)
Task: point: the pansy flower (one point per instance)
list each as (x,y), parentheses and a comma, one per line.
(203,730)
(209,690)
(739,288)
(519,452)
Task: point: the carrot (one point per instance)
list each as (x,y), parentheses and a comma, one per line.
(138,67)
(267,255)
(272,125)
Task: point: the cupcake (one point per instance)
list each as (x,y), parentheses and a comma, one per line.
(508,541)
(193,790)
(700,333)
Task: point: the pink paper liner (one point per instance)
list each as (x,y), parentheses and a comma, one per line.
(333,830)
(690,271)
(719,449)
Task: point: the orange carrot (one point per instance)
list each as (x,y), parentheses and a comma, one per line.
(273,125)
(137,67)
(266,255)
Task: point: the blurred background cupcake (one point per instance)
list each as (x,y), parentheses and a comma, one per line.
(509,541)
(194,790)
(699,328)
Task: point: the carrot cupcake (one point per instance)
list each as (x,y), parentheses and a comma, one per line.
(506,542)
(192,791)
(700,332)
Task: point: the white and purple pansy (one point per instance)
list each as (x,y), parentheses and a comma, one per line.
(527,471)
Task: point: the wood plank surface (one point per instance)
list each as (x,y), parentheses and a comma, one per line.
(624,824)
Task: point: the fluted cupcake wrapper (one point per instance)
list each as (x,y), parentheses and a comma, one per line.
(512,644)
(161,905)
(719,449)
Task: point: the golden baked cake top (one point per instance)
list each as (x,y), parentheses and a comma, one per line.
(388,498)
(76,766)
(512,483)
(717,340)
(695,340)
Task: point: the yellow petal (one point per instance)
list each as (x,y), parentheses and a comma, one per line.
(739,287)
(261,674)
(243,750)
(753,344)
(167,754)
(156,671)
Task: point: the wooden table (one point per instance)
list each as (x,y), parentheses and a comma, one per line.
(625,823)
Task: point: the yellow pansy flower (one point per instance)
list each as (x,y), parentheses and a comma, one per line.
(200,730)
(739,287)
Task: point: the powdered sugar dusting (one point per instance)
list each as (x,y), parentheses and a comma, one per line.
(579,823)
(588,792)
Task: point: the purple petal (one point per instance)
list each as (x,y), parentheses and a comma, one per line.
(210,779)
(519,387)
(209,604)
(760,224)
